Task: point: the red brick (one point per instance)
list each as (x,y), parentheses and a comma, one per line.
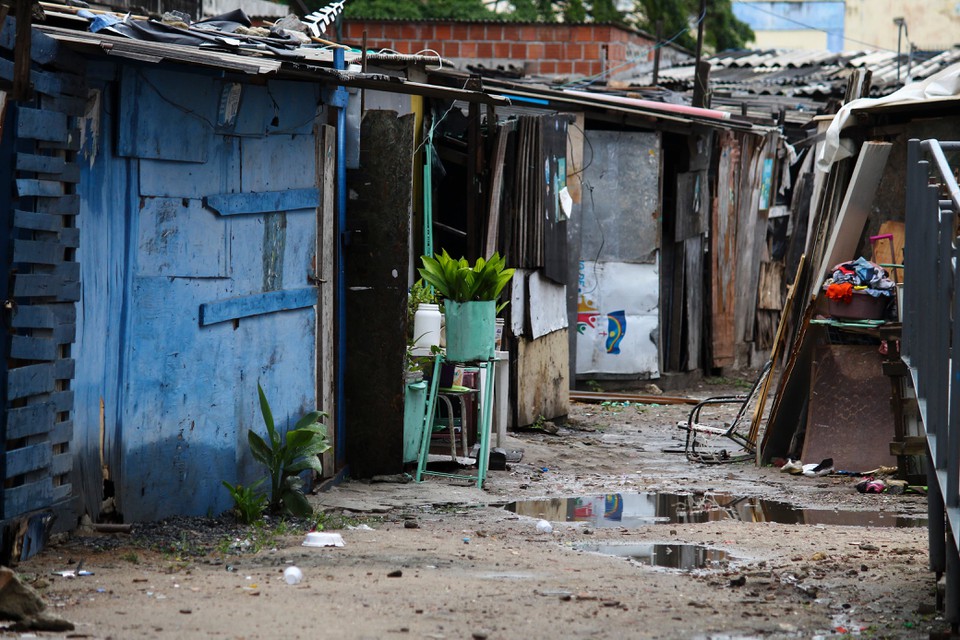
(583,67)
(484,49)
(533,51)
(546,67)
(552,34)
(573,52)
(478,32)
(408,32)
(511,33)
(468,49)
(443,32)
(565,67)
(553,51)
(494,32)
(450,49)
(461,32)
(502,50)
(584,34)
(591,51)
(528,34)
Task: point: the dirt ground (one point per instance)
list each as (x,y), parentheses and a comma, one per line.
(442,560)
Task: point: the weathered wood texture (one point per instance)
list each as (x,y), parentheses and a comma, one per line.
(543,385)
(723,241)
(325,269)
(377,259)
(38,138)
(178,397)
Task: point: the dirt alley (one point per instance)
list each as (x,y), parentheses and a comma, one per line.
(441,560)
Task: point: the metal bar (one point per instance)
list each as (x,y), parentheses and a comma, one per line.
(935,150)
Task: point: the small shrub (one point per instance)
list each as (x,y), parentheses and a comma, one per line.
(248,503)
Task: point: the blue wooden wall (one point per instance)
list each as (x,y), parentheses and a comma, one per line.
(188,303)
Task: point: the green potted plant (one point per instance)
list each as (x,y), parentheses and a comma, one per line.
(470,306)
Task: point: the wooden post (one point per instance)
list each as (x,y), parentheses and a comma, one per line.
(656,54)
(22,90)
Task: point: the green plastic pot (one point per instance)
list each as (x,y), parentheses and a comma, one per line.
(471,330)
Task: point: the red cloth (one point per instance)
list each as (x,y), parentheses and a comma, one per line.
(842,292)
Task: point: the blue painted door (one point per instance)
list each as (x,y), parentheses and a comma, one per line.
(199,267)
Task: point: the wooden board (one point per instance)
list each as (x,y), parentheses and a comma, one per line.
(693,296)
(846,232)
(890,250)
(543,385)
(723,252)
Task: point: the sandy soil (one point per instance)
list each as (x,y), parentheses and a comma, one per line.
(440,560)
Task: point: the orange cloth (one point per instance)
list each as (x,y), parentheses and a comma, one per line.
(842,292)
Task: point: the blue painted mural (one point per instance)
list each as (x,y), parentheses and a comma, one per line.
(822,15)
(188,302)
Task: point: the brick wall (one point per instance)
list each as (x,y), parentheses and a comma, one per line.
(540,49)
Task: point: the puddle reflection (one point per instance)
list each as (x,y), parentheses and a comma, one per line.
(639,509)
(685,557)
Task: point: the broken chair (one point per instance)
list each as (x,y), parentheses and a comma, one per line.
(702,436)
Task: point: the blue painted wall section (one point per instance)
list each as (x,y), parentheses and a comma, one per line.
(792,16)
(198,307)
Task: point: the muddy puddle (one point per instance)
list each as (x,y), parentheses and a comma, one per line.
(639,509)
(684,557)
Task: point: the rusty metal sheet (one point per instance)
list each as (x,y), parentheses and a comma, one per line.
(849,417)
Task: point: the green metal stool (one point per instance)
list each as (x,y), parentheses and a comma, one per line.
(486,422)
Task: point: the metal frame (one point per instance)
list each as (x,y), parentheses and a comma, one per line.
(930,300)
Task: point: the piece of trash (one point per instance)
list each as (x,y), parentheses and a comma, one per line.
(360,527)
(396,573)
(73,573)
(323,539)
(466,540)
(544,527)
(815,470)
(292,575)
(410,524)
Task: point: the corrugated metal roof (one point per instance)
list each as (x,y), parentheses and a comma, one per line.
(804,73)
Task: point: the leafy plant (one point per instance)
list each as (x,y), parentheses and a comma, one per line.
(286,457)
(248,502)
(460,281)
(420,294)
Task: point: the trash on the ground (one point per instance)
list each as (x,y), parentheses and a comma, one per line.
(292,575)
(822,468)
(360,527)
(323,539)
(73,573)
(544,527)
(396,573)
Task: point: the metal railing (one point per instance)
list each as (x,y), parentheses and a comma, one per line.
(931,325)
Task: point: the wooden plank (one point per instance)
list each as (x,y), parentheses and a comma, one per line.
(72,143)
(38,124)
(33,348)
(61,492)
(70,237)
(231,204)
(38,252)
(37,221)
(50,165)
(855,209)
(62,432)
(60,464)
(27,459)
(326,270)
(30,420)
(543,386)
(33,317)
(723,252)
(27,497)
(62,400)
(31,380)
(771,286)
(42,82)
(496,190)
(890,250)
(43,285)
(44,188)
(67,205)
(257,304)
(693,300)
(547,305)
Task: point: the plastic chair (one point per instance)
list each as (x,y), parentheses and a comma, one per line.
(699,432)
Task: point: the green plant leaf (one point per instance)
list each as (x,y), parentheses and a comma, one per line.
(259,448)
(267,416)
(314,417)
(308,462)
(296,504)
